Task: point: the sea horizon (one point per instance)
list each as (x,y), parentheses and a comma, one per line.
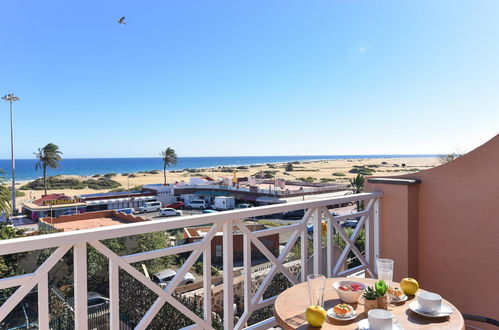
(25,168)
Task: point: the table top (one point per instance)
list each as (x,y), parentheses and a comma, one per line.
(290,307)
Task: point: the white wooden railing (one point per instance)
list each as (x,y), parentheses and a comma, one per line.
(317,211)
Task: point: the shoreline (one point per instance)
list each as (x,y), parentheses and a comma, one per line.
(317,171)
(245,161)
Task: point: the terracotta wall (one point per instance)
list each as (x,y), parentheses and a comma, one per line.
(445,230)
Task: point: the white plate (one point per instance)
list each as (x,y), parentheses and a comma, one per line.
(364,325)
(333,315)
(396,299)
(445,310)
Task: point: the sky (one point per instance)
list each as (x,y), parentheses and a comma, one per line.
(243,78)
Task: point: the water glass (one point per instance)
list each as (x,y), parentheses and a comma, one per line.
(316,285)
(385,270)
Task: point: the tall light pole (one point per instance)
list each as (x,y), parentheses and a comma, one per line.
(12,98)
(301,184)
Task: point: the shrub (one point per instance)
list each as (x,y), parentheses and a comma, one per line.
(102,183)
(307,179)
(125,174)
(153,172)
(132,175)
(327,180)
(20,193)
(242,167)
(96,175)
(339,174)
(109,175)
(289,167)
(362,170)
(54,182)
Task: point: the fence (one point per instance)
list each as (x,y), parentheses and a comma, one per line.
(317,211)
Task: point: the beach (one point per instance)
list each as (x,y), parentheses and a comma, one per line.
(330,171)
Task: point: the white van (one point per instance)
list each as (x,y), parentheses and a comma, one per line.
(150,207)
(198,204)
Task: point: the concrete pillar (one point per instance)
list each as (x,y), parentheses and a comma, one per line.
(398,223)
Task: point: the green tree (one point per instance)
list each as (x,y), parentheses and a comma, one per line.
(289,167)
(9,262)
(4,195)
(47,156)
(169,158)
(357,184)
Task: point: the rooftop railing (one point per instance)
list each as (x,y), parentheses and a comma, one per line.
(325,260)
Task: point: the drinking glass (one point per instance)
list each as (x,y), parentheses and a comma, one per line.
(385,270)
(316,284)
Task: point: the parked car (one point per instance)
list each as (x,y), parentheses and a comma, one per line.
(164,277)
(127,210)
(296,214)
(176,205)
(169,212)
(72,212)
(243,206)
(350,223)
(198,204)
(210,211)
(94,300)
(150,207)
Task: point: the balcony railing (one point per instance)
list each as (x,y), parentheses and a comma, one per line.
(317,212)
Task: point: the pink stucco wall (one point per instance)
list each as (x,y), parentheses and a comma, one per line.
(449,229)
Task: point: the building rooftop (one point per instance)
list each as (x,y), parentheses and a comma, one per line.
(89,220)
(89,223)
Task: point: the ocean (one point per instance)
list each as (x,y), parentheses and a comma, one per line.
(25,168)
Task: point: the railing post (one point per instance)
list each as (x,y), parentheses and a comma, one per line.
(377,238)
(80,286)
(43,303)
(317,241)
(228,263)
(207,284)
(247,272)
(304,254)
(114,296)
(329,244)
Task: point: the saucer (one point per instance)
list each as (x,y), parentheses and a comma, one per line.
(333,315)
(364,325)
(396,299)
(445,310)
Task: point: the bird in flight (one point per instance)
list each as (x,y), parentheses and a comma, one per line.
(122,20)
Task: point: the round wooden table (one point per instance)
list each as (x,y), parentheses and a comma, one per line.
(290,307)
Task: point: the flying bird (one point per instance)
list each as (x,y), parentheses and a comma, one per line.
(122,20)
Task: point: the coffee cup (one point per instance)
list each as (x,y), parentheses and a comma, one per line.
(429,302)
(381,319)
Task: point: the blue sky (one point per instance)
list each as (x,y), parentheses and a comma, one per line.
(277,77)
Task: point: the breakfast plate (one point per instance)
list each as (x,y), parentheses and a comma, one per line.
(445,310)
(333,315)
(364,325)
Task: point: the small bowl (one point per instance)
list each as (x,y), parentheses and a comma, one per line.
(350,297)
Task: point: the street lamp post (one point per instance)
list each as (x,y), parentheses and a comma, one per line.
(12,98)
(301,184)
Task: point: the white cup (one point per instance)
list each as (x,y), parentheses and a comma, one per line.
(429,302)
(380,319)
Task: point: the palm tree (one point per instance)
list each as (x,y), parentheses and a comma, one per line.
(357,184)
(47,156)
(169,158)
(4,195)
